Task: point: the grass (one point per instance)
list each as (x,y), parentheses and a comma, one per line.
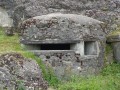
(109,79)
(11,44)
(108,55)
(108,49)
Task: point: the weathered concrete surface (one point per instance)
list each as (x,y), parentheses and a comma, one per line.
(107,11)
(84,34)
(61,28)
(90,48)
(16,70)
(67,62)
(116,49)
(114,38)
(115,41)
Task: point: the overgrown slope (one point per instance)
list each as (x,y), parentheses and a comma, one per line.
(11,44)
(109,79)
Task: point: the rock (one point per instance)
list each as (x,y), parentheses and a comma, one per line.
(61,28)
(113,38)
(115,41)
(116,50)
(104,10)
(5,19)
(9,31)
(16,70)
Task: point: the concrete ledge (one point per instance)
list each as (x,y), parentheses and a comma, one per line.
(115,38)
(84,57)
(52,51)
(49,41)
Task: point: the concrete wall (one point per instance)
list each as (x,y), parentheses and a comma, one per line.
(68,63)
(78,48)
(73,62)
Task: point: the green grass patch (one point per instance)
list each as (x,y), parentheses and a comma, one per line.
(108,54)
(109,79)
(11,44)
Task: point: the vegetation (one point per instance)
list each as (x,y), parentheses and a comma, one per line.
(109,79)
(11,44)
(20,85)
(115,32)
(108,54)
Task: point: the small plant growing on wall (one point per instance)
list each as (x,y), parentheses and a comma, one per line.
(20,85)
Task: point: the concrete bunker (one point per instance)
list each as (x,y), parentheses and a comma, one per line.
(73,43)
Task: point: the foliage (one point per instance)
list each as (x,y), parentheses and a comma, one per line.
(113,69)
(20,85)
(108,58)
(108,49)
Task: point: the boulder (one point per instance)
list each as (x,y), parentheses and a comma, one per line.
(15,70)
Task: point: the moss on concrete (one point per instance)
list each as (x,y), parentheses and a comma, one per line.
(115,32)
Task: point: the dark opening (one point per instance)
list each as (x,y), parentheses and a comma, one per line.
(55,46)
